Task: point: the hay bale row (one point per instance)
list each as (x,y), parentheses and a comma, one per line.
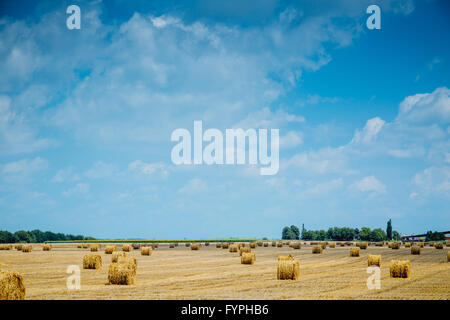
(6,247)
(27,248)
(195,246)
(122,272)
(374,260)
(288,268)
(110,249)
(317,249)
(354,252)
(92,261)
(248,258)
(146,251)
(18,247)
(116,255)
(400,269)
(11,286)
(415,250)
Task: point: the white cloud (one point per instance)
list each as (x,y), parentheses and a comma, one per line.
(65,175)
(433,180)
(78,189)
(24,168)
(194,186)
(291,139)
(143,168)
(371,185)
(370,131)
(101,170)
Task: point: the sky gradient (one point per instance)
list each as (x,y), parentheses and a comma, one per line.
(86,116)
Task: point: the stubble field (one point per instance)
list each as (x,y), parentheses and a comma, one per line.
(215,273)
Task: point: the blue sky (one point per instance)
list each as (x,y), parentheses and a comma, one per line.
(86,116)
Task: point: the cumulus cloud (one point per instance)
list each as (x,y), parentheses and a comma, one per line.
(78,190)
(146,169)
(370,185)
(101,170)
(24,168)
(433,180)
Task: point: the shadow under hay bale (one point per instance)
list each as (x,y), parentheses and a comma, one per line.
(374,260)
(172,245)
(439,245)
(206,244)
(317,249)
(27,248)
(225,245)
(146,251)
(110,249)
(218,245)
(288,268)
(122,272)
(195,246)
(11,286)
(116,255)
(92,261)
(415,250)
(248,258)
(354,252)
(85,245)
(400,269)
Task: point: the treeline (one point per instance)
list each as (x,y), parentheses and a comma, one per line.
(338,234)
(37,236)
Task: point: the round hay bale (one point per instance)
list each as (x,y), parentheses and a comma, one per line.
(155,245)
(95,247)
(116,255)
(218,245)
(374,260)
(332,245)
(379,244)
(92,261)
(85,245)
(354,252)
(407,244)
(225,245)
(395,245)
(195,246)
(27,248)
(206,244)
(323,245)
(126,248)
(19,247)
(110,249)
(259,243)
(79,246)
(253,245)
(421,244)
(415,250)
(11,286)
(233,248)
(244,249)
(362,245)
(342,244)
(6,247)
(176,244)
(288,268)
(279,244)
(447,244)
(146,251)
(122,272)
(136,246)
(400,269)
(187,244)
(266,244)
(291,244)
(46,247)
(439,245)
(297,245)
(248,258)
(317,249)
(448,256)
(274,244)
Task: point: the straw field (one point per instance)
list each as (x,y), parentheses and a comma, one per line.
(213,273)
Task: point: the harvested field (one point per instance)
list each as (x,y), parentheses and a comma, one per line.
(212,273)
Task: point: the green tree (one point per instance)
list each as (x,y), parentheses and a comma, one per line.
(396,236)
(287,234)
(389,230)
(378,235)
(365,234)
(296,232)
